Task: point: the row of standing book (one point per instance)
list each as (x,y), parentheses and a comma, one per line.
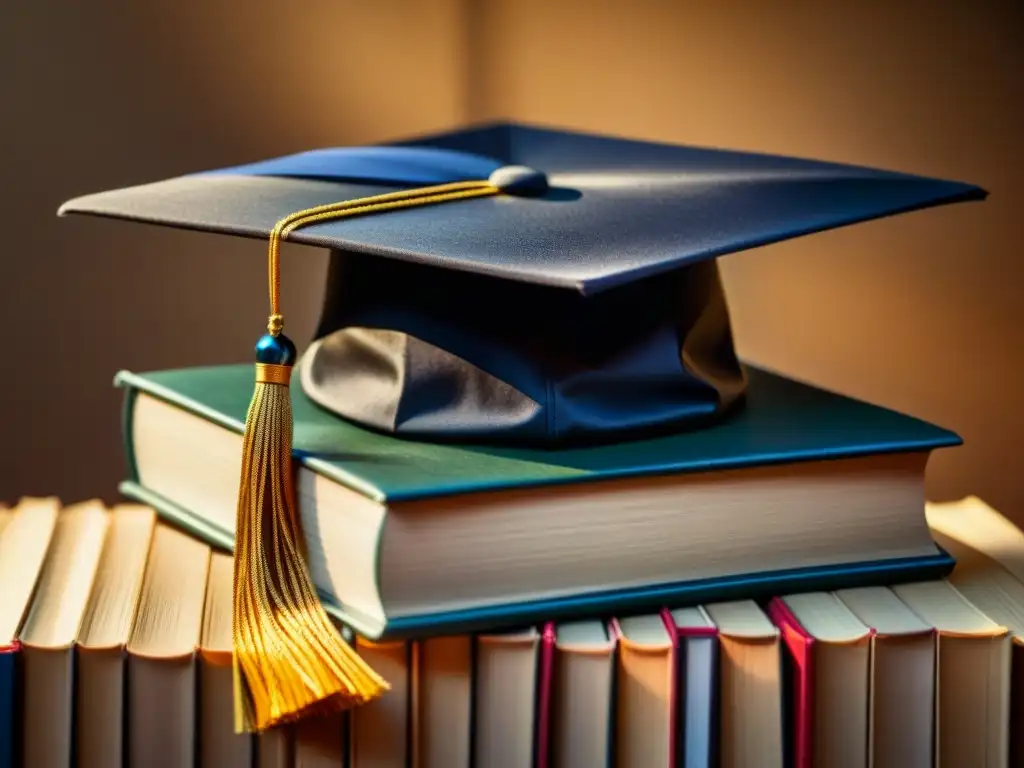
(116,632)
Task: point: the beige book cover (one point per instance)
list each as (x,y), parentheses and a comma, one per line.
(162,652)
(101,661)
(219,745)
(972,676)
(750,693)
(51,630)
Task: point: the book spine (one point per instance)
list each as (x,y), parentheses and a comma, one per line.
(615,635)
(1017,704)
(800,646)
(676,692)
(9,731)
(128,432)
(542,726)
(683,637)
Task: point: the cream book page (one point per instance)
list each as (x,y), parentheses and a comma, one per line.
(23,546)
(976,524)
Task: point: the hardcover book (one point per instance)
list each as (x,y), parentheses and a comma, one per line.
(830,650)
(803,489)
(704,684)
(24,541)
(903,658)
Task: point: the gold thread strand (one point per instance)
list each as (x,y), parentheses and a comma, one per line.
(440,193)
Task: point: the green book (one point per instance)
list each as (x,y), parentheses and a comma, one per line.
(799,488)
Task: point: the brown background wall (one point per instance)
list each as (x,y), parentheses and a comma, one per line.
(921,312)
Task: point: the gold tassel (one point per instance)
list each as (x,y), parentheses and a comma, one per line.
(289,660)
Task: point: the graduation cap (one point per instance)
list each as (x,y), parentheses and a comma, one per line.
(502,284)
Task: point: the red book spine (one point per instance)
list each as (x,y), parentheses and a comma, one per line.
(801,651)
(544,687)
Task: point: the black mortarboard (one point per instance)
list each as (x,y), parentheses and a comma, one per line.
(507,283)
(585,304)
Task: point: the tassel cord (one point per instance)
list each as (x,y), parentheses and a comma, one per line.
(409,198)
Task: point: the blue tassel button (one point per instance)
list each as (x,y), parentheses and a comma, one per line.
(275,350)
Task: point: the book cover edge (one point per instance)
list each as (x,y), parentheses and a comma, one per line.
(942,438)
(625,601)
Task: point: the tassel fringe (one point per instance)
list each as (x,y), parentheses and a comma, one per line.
(289,658)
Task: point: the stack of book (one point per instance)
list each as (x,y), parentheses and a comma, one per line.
(694,562)
(117,645)
(751,594)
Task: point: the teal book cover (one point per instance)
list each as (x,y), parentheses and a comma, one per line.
(783,421)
